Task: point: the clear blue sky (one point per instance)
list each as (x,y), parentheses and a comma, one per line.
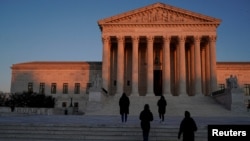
(67,30)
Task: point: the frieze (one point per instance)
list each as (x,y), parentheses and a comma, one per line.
(158,15)
(146,30)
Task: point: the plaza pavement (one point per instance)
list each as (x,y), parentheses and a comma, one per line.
(115,120)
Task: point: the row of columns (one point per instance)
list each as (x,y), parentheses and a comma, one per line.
(166,64)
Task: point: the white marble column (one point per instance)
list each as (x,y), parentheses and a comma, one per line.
(135,60)
(203,71)
(106,63)
(182,66)
(166,66)
(207,68)
(192,70)
(120,66)
(197,54)
(213,63)
(150,66)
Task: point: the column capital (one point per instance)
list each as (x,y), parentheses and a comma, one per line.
(182,38)
(120,38)
(150,38)
(167,38)
(212,38)
(197,38)
(135,38)
(105,38)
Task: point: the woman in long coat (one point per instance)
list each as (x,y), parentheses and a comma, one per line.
(124,107)
(162,103)
(146,117)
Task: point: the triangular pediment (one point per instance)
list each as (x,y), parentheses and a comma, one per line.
(159,13)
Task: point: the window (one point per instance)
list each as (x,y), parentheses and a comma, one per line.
(76,105)
(30,87)
(77,88)
(89,85)
(53,88)
(65,88)
(64,104)
(42,88)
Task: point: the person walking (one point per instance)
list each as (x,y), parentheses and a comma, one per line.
(124,103)
(162,103)
(146,117)
(187,128)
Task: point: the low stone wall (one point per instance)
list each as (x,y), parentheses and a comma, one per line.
(232,99)
(26,110)
(224,99)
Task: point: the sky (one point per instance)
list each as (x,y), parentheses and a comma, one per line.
(67,30)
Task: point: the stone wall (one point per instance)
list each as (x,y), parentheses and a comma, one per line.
(26,110)
(239,69)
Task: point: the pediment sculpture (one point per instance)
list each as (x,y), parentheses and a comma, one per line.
(158,13)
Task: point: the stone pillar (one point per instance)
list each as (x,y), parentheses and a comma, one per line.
(166,66)
(203,71)
(213,63)
(207,68)
(197,54)
(120,66)
(192,85)
(182,66)
(106,63)
(135,60)
(150,66)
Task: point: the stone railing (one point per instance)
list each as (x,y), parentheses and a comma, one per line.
(39,111)
(223,97)
(219,92)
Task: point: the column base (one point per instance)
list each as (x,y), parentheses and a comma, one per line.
(150,94)
(134,94)
(117,94)
(183,95)
(167,93)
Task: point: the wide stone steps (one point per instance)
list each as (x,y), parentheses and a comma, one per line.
(176,106)
(32,132)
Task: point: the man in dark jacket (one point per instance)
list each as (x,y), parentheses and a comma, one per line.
(162,103)
(187,127)
(146,117)
(124,107)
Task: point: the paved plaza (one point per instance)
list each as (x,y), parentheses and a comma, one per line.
(95,120)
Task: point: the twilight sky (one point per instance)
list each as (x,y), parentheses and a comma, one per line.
(67,30)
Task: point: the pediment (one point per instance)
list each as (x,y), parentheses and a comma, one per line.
(159,13)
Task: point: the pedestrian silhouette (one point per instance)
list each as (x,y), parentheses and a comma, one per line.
(162,103)
(187,128)
(124,107)
(146,117)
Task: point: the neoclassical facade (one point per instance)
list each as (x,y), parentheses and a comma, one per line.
(154,50)
(159,49)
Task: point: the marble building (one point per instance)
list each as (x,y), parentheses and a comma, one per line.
(154,50)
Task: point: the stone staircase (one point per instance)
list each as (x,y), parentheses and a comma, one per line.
(176,105)
(103,122)
(123,132)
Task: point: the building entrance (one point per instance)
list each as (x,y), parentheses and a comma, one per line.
(158,82)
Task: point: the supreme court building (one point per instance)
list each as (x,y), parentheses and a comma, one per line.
(154,50)
(159,49)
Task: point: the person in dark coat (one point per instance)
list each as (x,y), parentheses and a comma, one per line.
(187,128)
(146,117)
(162,103)
(124,107)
